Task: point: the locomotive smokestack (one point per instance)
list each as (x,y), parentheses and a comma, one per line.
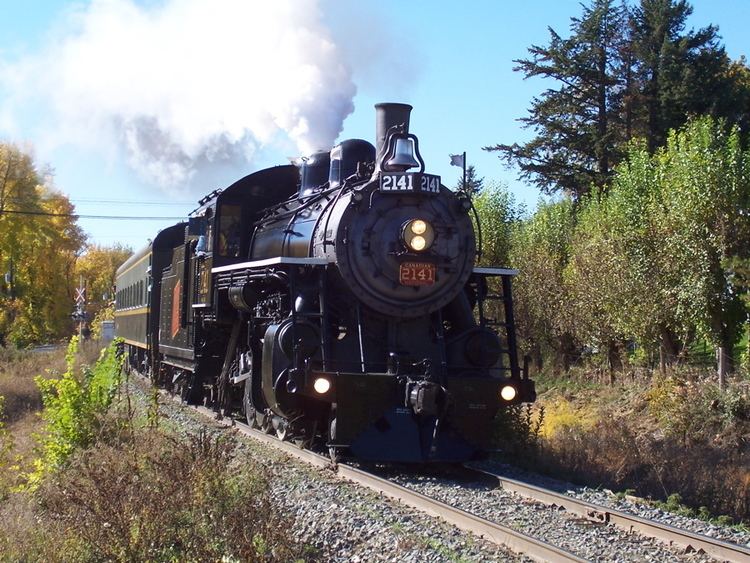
(386,116)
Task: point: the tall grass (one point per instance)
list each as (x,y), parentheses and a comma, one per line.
(674,435)
(111,485)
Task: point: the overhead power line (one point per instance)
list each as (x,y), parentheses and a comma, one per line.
(79,216)
(122,201)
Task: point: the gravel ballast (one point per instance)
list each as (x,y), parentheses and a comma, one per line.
(587,539)
(630,505)
(342,521)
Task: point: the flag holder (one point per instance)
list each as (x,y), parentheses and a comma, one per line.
(460,160)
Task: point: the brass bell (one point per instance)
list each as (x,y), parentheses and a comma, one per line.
(403,156)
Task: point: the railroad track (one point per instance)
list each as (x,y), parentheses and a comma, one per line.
(497,533)
(492,531)
(689,541)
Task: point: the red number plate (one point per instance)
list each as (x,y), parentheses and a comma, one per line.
(417,273)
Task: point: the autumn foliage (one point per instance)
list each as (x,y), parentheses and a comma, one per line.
(43,255)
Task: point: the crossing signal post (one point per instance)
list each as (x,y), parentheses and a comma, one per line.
(80,312)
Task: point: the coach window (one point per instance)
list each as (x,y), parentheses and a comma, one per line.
(229,230)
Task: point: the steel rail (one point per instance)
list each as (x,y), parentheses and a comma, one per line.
(497,533)
(690,541)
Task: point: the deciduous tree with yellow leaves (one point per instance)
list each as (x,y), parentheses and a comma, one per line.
(97,268)
(39,244)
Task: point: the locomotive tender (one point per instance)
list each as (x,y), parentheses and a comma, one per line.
(336,299)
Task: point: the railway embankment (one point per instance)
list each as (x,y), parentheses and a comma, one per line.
(675,443)
(158,480)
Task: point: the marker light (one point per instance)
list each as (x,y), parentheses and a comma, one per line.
(418,235)
(508,393)
(321,385)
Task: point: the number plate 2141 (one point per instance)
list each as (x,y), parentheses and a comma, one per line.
(416,273)
(410,183)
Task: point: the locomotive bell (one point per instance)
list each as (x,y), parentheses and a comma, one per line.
(403,155)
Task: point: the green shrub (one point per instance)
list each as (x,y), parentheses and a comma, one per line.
(73,405)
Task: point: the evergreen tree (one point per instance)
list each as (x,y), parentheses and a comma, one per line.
(622,74)
(679,73)
(474,184)
(577,124)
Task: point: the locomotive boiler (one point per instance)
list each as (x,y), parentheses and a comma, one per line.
(337,301)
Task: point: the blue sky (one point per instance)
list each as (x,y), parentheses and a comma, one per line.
(451,61)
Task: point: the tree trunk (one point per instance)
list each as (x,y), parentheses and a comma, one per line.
(723,367)
(536,354)
(564,352)
(614,360)
(628,101)
(724,347)
(668,348)
(662,361)
(601,120)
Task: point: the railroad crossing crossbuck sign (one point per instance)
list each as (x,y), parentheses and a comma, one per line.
(80,295)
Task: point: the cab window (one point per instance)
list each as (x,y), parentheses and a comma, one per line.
(229,230)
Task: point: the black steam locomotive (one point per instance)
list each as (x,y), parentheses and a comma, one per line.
(334,300)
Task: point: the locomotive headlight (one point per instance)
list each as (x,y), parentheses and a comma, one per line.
(418,243)
(418,227)
(418,235)
(321,385)
(508,393)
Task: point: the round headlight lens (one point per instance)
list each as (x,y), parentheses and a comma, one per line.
(418,235)
(508,392)
(418,243)
(418,227)
(321,385)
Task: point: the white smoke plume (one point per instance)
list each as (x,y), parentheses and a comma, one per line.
(184,84)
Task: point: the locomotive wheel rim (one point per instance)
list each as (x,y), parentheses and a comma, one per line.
(334,452)
(264,422)
(250,416)
(283,431)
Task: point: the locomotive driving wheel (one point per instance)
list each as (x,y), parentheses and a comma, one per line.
(264,421)
(251,414)
(283,429)
(333,451)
